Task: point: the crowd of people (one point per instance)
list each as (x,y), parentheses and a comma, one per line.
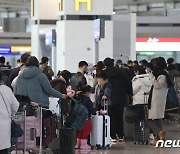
(119,83)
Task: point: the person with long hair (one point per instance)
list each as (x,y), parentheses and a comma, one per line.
(161,82)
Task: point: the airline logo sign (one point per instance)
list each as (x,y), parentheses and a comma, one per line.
(88,3)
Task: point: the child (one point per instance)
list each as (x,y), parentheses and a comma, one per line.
(102,90)
(82,136)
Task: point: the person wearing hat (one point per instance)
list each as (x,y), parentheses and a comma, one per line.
(121,90)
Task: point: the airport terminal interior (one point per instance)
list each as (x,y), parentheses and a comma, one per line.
(89,76)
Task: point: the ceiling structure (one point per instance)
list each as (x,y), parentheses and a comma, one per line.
(120,6)
(14,5)
(147,7)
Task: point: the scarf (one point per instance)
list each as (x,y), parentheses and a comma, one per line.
(157,73)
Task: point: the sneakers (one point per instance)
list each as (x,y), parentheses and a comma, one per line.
(113,140)
(78,144)
(121,139)
(153,142)
(84,145)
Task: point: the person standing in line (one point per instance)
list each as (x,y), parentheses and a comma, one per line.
(121,91)
(47,70)
(161,82)
(78,81)
(82,136)
(34,84)
(8,107)
(14,72)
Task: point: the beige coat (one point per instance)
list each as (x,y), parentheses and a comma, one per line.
(159,97)
(5,119)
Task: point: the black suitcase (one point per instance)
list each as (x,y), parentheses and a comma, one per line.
(141,133)
(67,140)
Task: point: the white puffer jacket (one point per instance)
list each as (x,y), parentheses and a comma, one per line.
(141,84)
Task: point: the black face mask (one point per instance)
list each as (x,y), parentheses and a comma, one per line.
(85,72)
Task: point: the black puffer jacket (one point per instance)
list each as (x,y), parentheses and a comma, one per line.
(121,86)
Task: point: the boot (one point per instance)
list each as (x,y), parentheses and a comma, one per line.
(84,145)
(78,142)
(161,135)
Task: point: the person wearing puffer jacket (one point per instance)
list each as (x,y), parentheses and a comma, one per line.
(32,82)
(141,84)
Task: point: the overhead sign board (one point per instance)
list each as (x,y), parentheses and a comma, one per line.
(158,44)
(5,50)
(21,49)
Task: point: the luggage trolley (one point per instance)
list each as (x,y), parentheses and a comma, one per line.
(31,123)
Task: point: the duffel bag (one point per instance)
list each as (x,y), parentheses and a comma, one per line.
(134,113)
(77,117)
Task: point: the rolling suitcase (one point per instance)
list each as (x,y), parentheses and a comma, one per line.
(100,134)
(67,138)
(28,140)
(128,129)
(47,131)
(141,127)
(141,133)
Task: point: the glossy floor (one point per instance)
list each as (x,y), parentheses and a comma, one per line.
(130,148)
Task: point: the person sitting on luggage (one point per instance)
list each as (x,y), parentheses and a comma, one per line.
(82,136)
(102,90)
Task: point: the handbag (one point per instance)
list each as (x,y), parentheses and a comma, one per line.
(16,130)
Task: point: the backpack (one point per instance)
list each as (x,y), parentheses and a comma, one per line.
(77,117)
(172,100)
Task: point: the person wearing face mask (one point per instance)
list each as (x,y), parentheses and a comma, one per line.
(78,81)
(161,82)
(102,90)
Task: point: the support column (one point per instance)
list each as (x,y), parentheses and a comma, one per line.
(43,16)
(124,37)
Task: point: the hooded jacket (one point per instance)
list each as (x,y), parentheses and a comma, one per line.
(121,85)
(33,83)
(141,84)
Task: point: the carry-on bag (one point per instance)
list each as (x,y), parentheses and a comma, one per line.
(28,140)
(128,128)
(67,140)
(100,134)
(141,127)
(141,132)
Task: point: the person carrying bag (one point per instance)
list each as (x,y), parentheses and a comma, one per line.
(9,106)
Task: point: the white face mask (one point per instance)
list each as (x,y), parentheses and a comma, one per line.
(94,72)
(19,65)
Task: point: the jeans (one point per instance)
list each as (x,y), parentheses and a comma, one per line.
(155,125)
